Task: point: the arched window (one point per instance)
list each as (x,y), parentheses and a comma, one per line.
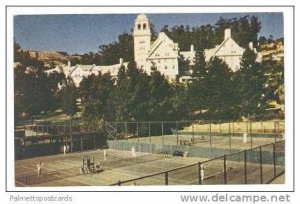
(144,26)
(139,26)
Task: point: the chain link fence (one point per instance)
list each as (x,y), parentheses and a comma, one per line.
(259,165)
(230,134)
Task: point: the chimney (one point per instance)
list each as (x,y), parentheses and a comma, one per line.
(192,48)
(227,33)
(69,64)
(251,45)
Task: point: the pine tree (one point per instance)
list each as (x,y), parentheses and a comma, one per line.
(251,80)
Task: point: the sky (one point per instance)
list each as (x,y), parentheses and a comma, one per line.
(85,32)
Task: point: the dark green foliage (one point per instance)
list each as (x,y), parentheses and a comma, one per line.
(69,95)
(111,53)
(243,31)
(35,92)
(251,80)
(134,96)
(212,93)
(96,93)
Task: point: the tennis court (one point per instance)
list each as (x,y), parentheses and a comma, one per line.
(64,170)
(216,141)
(121,168)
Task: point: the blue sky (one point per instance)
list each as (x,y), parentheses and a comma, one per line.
(84,33)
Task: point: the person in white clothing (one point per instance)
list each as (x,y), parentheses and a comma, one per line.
(105,154)
(39,167)
(133,154)
(65,149)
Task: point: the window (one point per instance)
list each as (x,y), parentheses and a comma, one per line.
(144,26)
(166,67)
(139,26)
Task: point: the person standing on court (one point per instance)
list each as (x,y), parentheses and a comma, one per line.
(39,169)
(133,152)
(65,149)
(105,154)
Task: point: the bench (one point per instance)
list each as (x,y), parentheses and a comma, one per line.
(185,142)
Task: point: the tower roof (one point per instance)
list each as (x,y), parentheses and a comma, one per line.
(141,17)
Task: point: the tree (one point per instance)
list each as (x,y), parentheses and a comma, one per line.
(180,104)
(251,80)
(274,86)
(262,40)
(218,89)
(96,93)
(35,91)
(111,53)
(69,96)
(160,92)
(199,68)
(197,90)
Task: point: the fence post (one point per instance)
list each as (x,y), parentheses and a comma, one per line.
(261,165)
(275,132)
(229,135)
(193,133)
(137,131)
(95,146)
(225,170)
(126,131)
(245,165)
(81,142)
(233,128)
(251,134)
(199,173)
(117,130)
(177,133)
(274,160)
(149,131)
(210,144)
(162,132)
(71,136)
(166,178)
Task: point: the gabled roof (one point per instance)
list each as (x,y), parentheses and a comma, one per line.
(163,39)
(219,50)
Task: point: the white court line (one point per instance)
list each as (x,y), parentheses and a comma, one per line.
(71,175)
(22,184)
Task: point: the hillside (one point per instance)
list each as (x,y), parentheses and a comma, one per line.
(50,58)
(273,50)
